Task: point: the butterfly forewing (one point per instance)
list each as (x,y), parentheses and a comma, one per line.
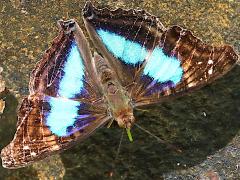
(128,36)
(64,105)
(66,69)
(153,62)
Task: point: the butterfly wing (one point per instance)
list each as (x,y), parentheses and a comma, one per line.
(64,105)
(153,62)
(186,64)
(121,36)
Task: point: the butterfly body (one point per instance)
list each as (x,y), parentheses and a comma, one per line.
(72,93)
(115,95)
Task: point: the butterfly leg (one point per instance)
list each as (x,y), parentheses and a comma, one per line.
(143,110)
(110,123)
(131,84)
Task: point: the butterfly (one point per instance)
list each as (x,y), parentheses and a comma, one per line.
(139,62)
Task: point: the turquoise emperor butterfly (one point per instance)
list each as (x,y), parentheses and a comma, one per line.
(72,93)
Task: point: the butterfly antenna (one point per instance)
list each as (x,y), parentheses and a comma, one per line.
(170,146)
(117,154)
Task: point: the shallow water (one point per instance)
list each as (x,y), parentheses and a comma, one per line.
(200,123)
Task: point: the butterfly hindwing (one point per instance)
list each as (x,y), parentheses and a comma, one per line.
(191,64)
(34,139)
(64,105)
(153,62)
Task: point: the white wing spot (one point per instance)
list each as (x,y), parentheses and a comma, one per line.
(25,147)
(33,154)
(210,71)
(210,61)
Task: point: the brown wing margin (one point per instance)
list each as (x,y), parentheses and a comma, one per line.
(201,65)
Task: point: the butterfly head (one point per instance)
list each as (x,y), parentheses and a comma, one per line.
(125,120)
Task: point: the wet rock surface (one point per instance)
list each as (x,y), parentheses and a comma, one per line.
(224,164)
(204,124)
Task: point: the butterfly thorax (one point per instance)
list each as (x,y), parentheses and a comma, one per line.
(116,96)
